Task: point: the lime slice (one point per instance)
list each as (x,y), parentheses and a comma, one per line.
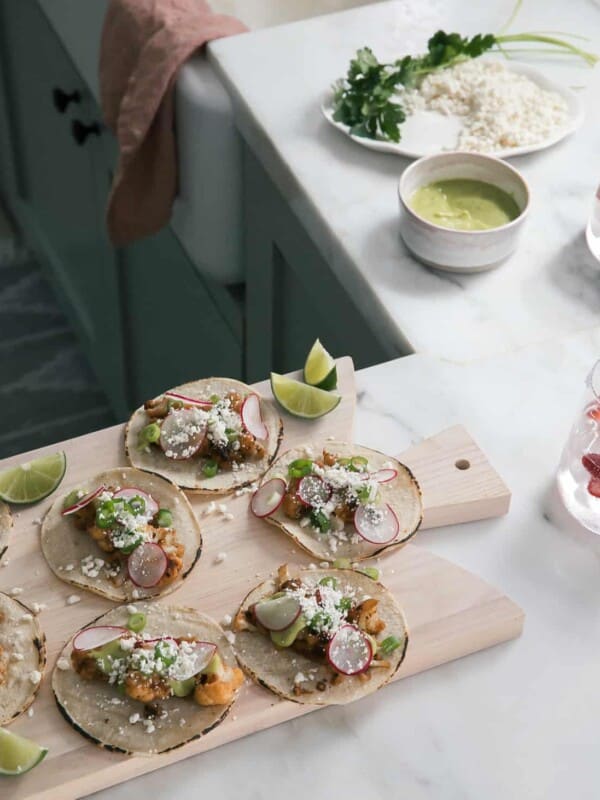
(32,480)
(320,369)
(17,754)
(302,400)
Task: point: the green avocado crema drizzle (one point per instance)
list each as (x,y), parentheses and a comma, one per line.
(464,204)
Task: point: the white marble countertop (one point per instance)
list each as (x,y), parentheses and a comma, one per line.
(520,720)
(346,196)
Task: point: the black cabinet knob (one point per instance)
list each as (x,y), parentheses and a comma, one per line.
(62,99)
(81,131)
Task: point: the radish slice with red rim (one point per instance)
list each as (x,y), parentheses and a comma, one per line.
(93,638)
(313,491)
(384,475)
(268,497)
(151,506)
(195,662)
(85,501)
(182,434)
(277,613)
(376,524)
(193,401)
(252,419)
(147,564)
(350,651)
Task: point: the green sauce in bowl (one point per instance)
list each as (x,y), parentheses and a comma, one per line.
(464,205)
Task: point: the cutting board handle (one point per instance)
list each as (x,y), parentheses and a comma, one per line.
(458,482)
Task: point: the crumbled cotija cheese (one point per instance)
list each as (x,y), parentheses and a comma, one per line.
(500,108)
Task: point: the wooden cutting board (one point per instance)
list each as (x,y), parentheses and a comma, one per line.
(450,612)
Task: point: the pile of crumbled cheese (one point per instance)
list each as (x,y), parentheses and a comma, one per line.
(500,108)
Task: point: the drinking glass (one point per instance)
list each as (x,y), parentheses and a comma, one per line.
(579,470)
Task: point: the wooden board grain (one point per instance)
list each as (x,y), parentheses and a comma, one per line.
(450,612)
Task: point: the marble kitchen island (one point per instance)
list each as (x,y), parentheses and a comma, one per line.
(330,207)
(517,721)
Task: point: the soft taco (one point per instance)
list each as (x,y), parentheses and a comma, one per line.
(340,500)
(123,534)
(22,658)
(147,678)
(6,523)
(322,636)
(211,436)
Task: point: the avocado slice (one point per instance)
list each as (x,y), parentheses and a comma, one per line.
(287,637)
(182,688)
(214,666)
(112,649)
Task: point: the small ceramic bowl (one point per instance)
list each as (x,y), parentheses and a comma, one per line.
(452,250)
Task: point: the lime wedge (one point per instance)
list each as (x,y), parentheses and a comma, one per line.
(17,754)
(302,400)
(32,480)
(320,369)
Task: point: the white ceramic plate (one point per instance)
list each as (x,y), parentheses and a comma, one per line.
(427,132)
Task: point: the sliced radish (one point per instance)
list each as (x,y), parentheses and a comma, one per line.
(85,501)
(594,487)
(93,638)
(267,498)
(195,662)
(376,524)
(193,401)
(252,419)
(278,613)
(350,651)
(384,475)
(147,564)
(182,434)
(313,491)
(129,493)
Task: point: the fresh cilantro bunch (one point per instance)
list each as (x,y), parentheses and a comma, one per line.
(364,100)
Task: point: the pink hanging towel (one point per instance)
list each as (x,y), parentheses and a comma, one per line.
(144,42)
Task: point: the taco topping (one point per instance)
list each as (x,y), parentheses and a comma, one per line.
(150,669)
(322,621)
(222,432)
(330,492)
(137,536)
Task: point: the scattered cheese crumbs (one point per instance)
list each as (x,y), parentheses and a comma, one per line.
(181,722)
(220,557)
(17,657)
(135,594)
(30,712)
(134,718)
(69,567)
(4,563)
(115,701)
(35,676)
(312,566)
(15,591)
(26,617)
(210,508)
(222,507)
(37,607)
(230,636)
(63,663)
(305,522)
(300,677)
(324,564)
(72,599)
(228,516)
(149,725)
(37,521)
(131,609)
(234,717)
(227,619)
(331,438)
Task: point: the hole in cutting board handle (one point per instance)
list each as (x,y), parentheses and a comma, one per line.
(462,463)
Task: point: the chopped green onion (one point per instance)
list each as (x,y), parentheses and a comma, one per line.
(210,469)
(137,622)
(342,563)
(320,520)
(370,572)
(345,604)
(329,580)
(149,435)
(300,467)
(164,518)
(137,505)
(359,463)
(389,644)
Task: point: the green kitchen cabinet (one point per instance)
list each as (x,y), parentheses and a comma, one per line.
(144,315)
